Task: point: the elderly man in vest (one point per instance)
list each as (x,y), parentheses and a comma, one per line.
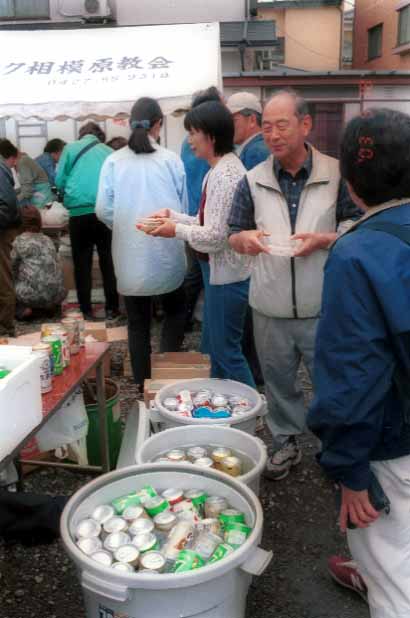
(297,192)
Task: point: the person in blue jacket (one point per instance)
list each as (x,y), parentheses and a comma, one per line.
(362,363)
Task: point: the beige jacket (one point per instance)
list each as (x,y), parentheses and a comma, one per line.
(283,287)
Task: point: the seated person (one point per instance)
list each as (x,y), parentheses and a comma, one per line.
(50,157)
(38,276)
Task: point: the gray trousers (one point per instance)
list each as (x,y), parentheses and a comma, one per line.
(281,344)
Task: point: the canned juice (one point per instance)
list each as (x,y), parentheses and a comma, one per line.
(43,352)
(56,352)
(188,560)
(220,552)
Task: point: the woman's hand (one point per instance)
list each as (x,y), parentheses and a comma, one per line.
(165,230)
(164,213)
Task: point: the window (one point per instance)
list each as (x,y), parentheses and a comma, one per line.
(24,9)
(375,42)
(404,26)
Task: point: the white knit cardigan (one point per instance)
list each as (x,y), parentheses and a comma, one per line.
(226,266)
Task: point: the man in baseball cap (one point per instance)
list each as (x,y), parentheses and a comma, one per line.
(246,111)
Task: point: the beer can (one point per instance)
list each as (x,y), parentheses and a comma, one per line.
(220,553)
(145,542)
(79,318)
(204,462)
(124,567)
(146,493)
(173,496)
(103,557)
(128,554)
(57,354)
(87,528)
(131,513)
(196,452)
(123,502)
(152,561)
(231,516)
(186,511)
(211,524)
(141,525)
(103,513)
(219,401)
(73,329)
(89,545)
(219,454)
(115,524)
(116,540)
(176,455)
(43,352)
(171,404)
(164,522)
(179,537)
(198,499)
(185,397)
(236,534)
(156,505)
(202,398)
(206,543)
(65,344)
(188,560)
(231,466)
(214,506)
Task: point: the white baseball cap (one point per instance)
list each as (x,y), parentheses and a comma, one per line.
(243,100)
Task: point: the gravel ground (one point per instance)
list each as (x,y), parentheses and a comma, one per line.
(300,528)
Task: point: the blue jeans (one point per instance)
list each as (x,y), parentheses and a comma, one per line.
(224,318)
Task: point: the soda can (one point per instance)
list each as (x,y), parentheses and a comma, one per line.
(206,543)
(115,524)
(135,498)
(214,506)
(231,516)
(102,557)
(171,404)
(176,455)
(142,525)
(179,537)
(79,318)
(236,534)
(238,400)
(57,354)
(220,553)
(173,496)
(204,462)
(196,452)
(103,513)
(145,542)
(87,528)
(156,505)
(198,499)
(89,545)
(131,513)
(202,398)
(73,330)
(164,522)
(219,401)
(116,540)
(152,561)
(65,344)
(186,511)
(128,554)
(146,493)
(232,466)
(240,410)
(185,397)
(124,567)
(184,409)
(210,525)
(188,560)
(219,454)
(43,352)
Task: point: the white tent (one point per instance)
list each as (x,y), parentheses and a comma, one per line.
(52,74)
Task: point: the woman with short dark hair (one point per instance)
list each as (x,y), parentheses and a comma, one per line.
(362,363)
(133,181)
(225,274)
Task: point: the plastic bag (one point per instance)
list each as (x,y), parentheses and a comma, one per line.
(55,215)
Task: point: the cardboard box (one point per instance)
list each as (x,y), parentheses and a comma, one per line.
(179,365)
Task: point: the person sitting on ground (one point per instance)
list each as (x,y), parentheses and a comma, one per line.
(38,276)
(35,187)
(50,157)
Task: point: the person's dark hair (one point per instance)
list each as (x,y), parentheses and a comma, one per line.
(145,114)
(117,142)
(31,219)
(92,128)
(251,112)
(301,105)
(7,149)
(203,96)
(54,145)
(215,120)
(375,156)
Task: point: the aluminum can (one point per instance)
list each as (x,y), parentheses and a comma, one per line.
(231,516)
(102,557)
(115,524)
(79,318)
(65,344)
(202,398)
(73,330)
(219,454)
(198,499)
(56,352)
(236,534)
(145,542)
(89,545)
(240,410)
(186,511)
(206,543)
(179,537)
(116,540)
(219,401)
(170,403)
(238,400)
(173,496)
(214,506)
(128,554)
(131,513)
(176,455)
(152,561)
(43,351)
(156,505)
(232,466)
(196,452)
(184,409)
(132,499)
(164,522)
(185,397)
(123,567)
(142,525)
(87,528)
(204,462)
(188,560)
(220,552)
(210,525)
(103,513)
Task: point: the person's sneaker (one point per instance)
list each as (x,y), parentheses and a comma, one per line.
(345,573)
(281,462)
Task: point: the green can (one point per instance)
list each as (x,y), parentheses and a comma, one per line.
(145,493)
(123,502)
(231,516)
(236,534)
(188,560)
(156,505)
(198,499)
(220,552)
(56,353)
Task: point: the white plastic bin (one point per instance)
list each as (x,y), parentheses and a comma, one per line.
(244,423)
(20,396)
(251,447)
(215,591)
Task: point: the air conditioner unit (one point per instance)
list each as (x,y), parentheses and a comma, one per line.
(90,9)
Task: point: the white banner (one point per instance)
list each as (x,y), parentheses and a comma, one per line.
(105,70)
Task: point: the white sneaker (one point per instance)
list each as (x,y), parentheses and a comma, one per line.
(283,460)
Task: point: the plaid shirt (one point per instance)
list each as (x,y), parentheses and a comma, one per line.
(242,216)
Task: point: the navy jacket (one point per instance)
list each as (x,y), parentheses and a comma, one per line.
(363,339)
(254,152)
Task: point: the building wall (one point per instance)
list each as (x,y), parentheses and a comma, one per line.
(304,49)
(143,12)
(370,13)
